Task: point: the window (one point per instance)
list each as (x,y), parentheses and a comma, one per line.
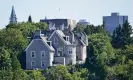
(67,38)
(59,52)
(70,51)
(42,53)
(42,64)
(55,40)
(33,54)
(70,61)
(33,64)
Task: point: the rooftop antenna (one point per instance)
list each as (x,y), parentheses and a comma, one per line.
(58,13)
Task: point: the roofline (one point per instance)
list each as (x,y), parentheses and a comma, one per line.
(58,35)
(42,41)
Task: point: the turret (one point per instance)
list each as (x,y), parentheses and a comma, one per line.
(13,18)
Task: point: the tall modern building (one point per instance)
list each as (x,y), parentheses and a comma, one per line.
(13,18)
(113,21)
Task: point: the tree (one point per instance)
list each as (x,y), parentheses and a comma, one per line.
(90,29)
(5,61)
(15,63)
(99,54)
(130,69)
(36,75)
(122,35)
(20,75)
(79,28)
(6,75)
(27,28)
(60,72)
(30,19)
(13,40)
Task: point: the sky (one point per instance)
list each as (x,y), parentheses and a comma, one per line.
(91,10)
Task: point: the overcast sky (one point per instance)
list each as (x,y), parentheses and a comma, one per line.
(92,10)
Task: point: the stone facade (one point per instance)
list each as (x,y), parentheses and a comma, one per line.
(59,47)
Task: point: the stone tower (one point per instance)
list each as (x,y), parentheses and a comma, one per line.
(13,18)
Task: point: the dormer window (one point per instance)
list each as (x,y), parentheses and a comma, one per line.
(66,38)
(80,38)
(49,43)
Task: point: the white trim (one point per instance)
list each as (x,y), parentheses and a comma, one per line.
(32,65)
(43,53)
(51,35)
(34,54)
(41,64)
(46,45)
(29,45)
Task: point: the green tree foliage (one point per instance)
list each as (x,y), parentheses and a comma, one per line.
(12,39)
(99,54)
(5,61)
(122,35)
(6,75)
(15,63)
(90,29)
(27,28)
(20,75)
(79,28)
(58,73)
(36,75)
(72,72)
(130,69)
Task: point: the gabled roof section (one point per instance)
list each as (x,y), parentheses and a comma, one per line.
(44,42)
(82,37)
(61,35)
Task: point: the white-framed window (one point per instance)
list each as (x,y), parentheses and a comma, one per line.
(60,52)
(33,55)
(42,64)
(42,53)
(55,40)
(70,51)
(33,64)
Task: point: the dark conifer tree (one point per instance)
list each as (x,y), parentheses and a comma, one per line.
(122,35)
(30,19)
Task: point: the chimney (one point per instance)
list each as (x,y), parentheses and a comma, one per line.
(37,34)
